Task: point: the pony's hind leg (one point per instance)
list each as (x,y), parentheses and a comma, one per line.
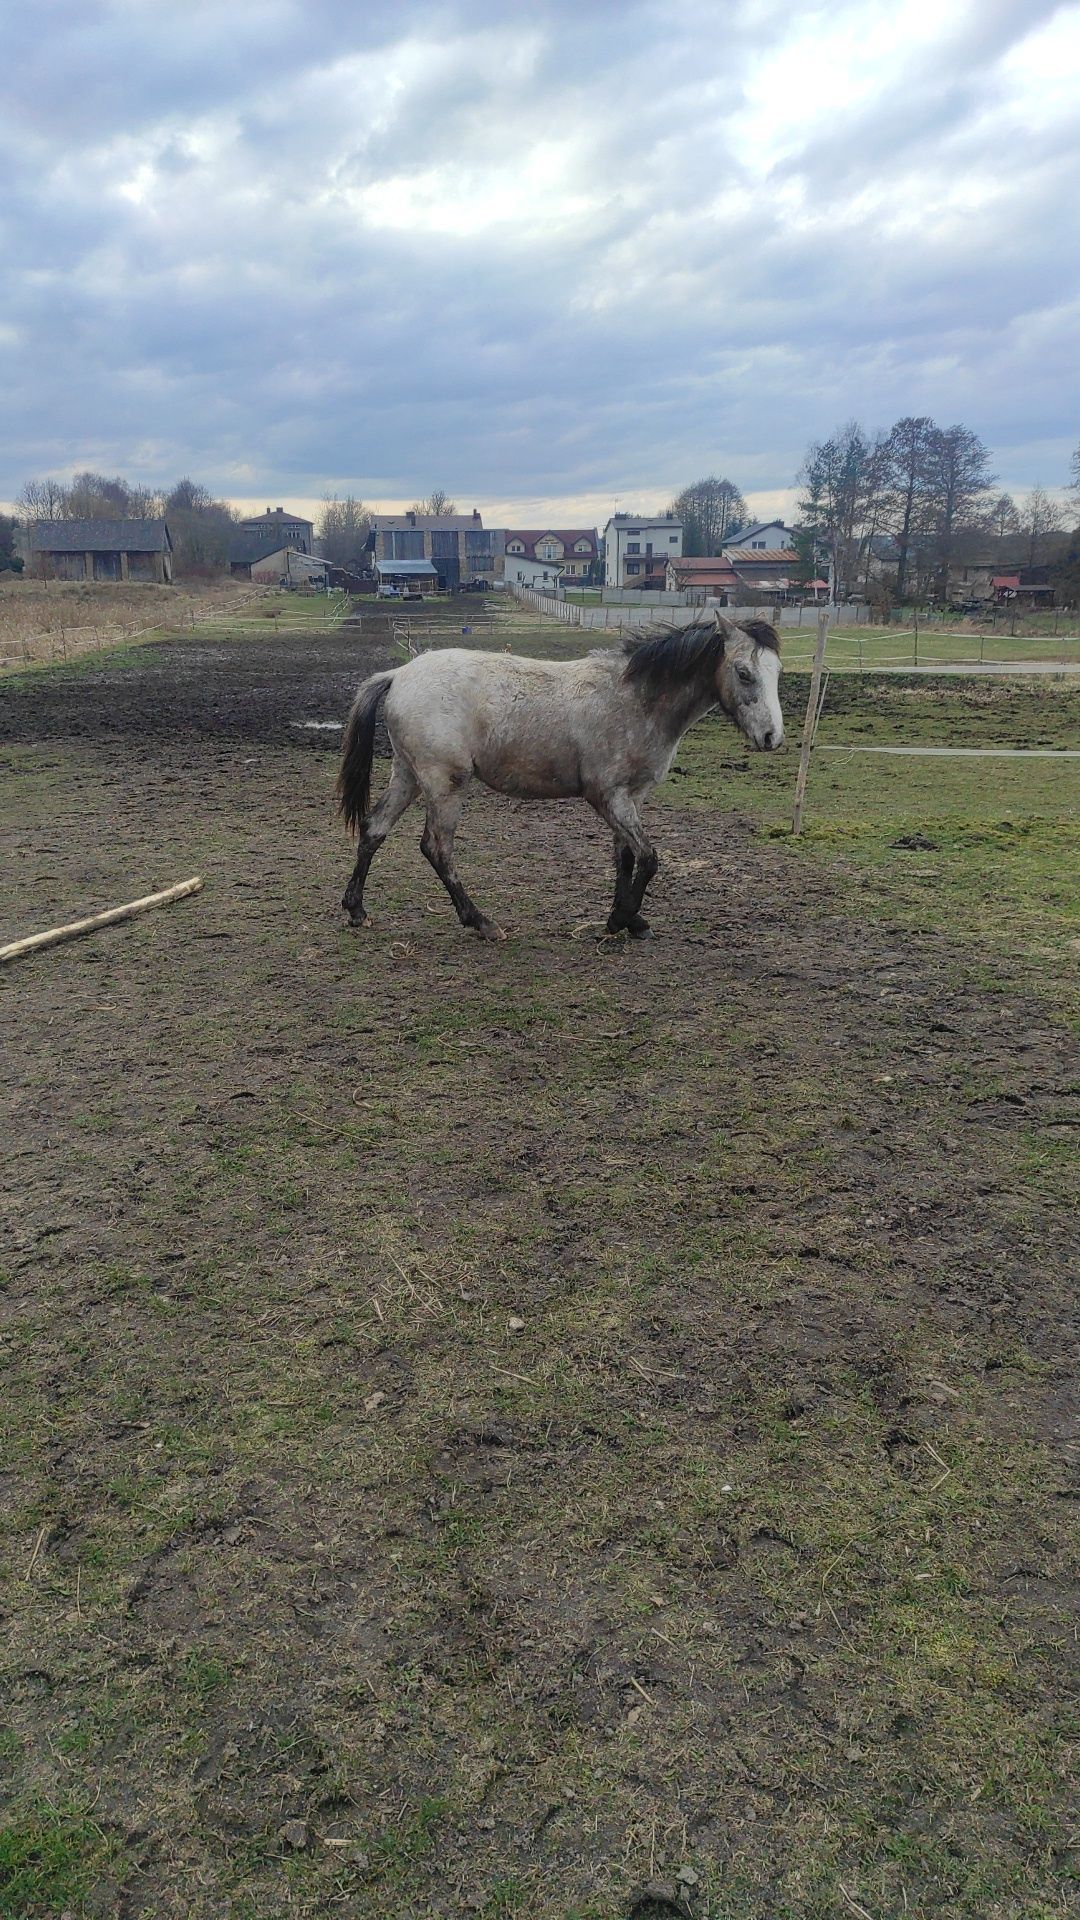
(400,793)
(444,811)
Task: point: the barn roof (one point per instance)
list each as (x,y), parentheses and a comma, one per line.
(761,556)
(244,547)
(428,523)
(100,536)
(693,564)
(267,559)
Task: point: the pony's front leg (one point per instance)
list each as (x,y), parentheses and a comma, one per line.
(635,862)
(625,913)
(437,846)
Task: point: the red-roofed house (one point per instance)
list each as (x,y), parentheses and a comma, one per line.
(1031,584)
(572,550)
(713,579)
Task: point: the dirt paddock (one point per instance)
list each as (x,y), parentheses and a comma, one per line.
(549,1429)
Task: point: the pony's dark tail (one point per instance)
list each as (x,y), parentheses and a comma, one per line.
(358,751)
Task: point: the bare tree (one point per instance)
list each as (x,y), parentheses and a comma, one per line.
(1074,483)
(188,496)
(146,503)
(711,510)
(97,496)
(958,479)
(908,486)
(41,500)
(10,561)
(1002,517)
(842,505)
(343,530)
(437,502)
(1039,516)
(200,527)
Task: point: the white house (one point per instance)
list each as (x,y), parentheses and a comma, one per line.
(287,565)
(637,548)
(768,536)
(521,571)
(574,548)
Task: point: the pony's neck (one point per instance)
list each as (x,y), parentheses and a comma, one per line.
(678,710)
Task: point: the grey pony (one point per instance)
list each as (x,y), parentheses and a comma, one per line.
(604,729)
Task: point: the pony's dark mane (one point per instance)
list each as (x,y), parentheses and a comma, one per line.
(673,656)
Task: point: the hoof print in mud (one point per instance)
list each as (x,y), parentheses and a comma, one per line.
(658,1901)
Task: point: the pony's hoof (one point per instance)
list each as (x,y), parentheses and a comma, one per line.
(487,930)
(355,922)
(642,931)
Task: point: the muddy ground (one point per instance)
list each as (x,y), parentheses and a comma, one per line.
(557,1429)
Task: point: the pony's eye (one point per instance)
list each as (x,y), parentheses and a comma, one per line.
(746,676)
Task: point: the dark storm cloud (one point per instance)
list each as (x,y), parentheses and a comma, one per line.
(534,250)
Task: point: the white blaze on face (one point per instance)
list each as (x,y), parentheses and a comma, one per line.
(768,664)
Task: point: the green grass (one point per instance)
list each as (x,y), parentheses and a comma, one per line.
(52,1861)
(851,649)
(995,853)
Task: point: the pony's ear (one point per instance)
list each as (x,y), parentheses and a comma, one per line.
(763,634)
(724,627)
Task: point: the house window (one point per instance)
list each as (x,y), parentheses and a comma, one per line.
(632,567)
(757,543)
(633,546)
(673,539)
(515,546)
(582,547)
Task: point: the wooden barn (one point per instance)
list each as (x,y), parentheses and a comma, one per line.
(101,550)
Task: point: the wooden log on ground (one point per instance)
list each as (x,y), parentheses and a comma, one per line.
(35,941)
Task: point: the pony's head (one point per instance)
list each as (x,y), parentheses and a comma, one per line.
(747,681)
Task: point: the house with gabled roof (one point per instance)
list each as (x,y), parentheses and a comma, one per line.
(766,569)
(572,550)
(703,578)
(765,536)
(278,528)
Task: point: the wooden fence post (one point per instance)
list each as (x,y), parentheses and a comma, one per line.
(810,723)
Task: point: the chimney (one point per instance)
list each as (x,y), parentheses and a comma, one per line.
(476,515)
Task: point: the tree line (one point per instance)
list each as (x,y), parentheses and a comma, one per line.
(909,504)
(200,527)
(919,499)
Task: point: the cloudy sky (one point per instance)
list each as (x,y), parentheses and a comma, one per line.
(548,256)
